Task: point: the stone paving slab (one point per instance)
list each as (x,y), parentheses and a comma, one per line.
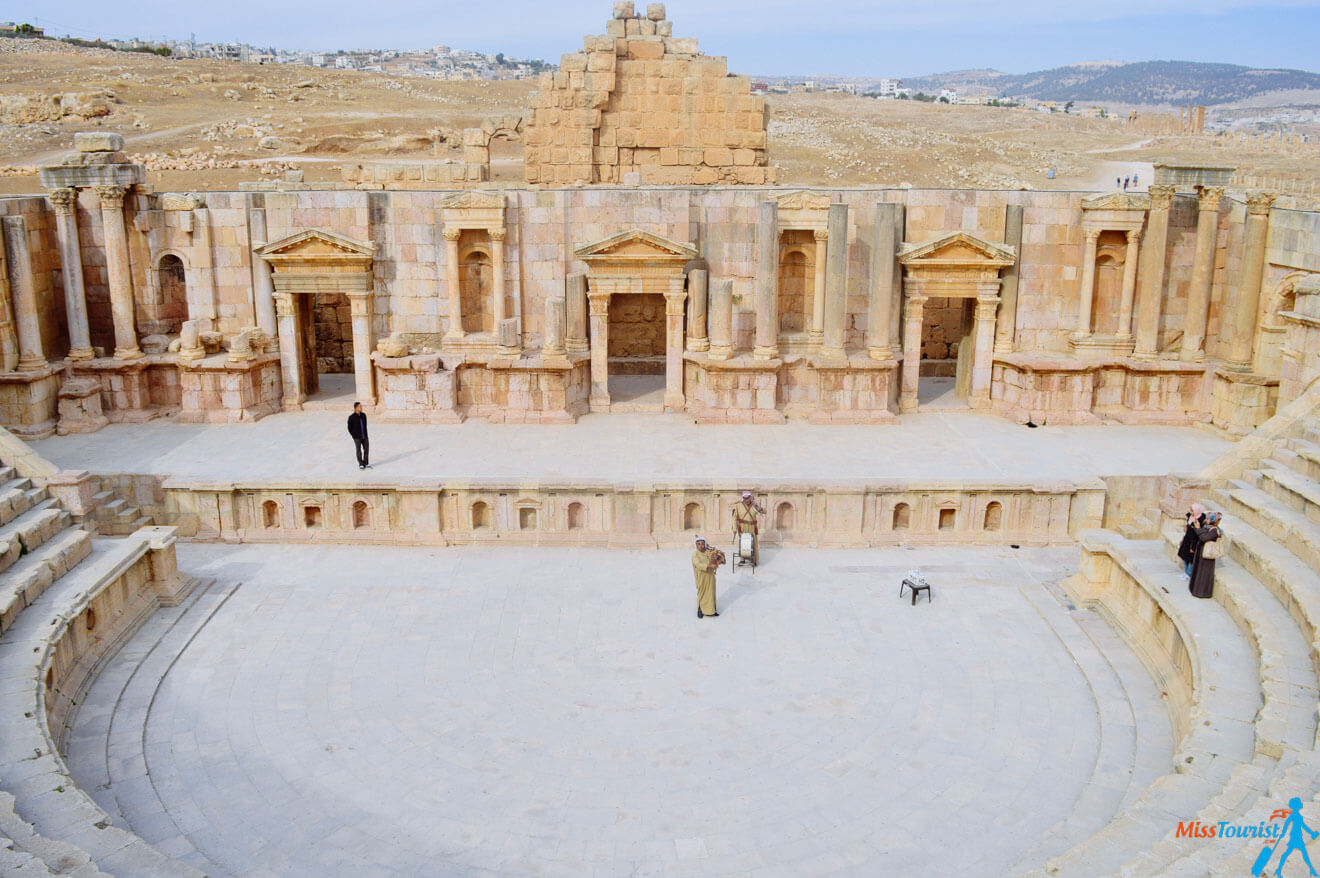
(621,447)
(370,711)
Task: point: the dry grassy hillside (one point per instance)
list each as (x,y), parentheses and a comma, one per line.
(212,124)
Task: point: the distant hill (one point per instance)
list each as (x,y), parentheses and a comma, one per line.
(1143,82)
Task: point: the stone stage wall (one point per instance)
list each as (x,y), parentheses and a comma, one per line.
(630,516)
(1039,370)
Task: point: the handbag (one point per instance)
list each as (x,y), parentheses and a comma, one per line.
(1214,550)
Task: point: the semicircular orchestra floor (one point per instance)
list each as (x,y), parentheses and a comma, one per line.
(332,710)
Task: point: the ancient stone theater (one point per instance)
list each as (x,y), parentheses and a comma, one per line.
(225,650)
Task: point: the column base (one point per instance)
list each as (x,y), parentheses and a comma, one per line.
(765,353)
(1002,349)
(815,338)
(907,405)
(577,347)
(697,345)
(82,354)
(31,364)
(1189,356)
(1145,355)
(674,402)
(719,352)
(833,354)
(128,353)
(881,354)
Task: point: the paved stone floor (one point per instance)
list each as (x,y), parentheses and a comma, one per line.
(332,710)
(623,447)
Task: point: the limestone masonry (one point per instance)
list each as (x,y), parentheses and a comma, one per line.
(639,105)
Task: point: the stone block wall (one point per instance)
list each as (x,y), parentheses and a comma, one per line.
(638,101)
(45,258)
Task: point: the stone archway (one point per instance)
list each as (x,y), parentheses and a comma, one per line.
(303,265)
(634,263)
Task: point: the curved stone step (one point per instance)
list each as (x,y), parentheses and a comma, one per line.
(45,796)
(1117,766)
(24,582)
(1301,456)
(1266,514)
(1218,751)
(1295,490)
(15,499)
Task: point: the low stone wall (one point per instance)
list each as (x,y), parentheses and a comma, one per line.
(1147,621)
(1056,391)
(631,515)
(219,390)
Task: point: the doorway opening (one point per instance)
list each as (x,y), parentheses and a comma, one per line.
(637,352)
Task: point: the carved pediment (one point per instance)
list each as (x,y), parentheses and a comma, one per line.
(801,200)
(958,249)
(316,244)
(474,199)
(1117,201)
(634,244)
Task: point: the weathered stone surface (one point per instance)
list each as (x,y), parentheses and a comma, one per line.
(98,141)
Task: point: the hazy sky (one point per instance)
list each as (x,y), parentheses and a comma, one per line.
(846,37)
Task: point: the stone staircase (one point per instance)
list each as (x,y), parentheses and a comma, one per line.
(65,601)
(1263,697)
(115,517)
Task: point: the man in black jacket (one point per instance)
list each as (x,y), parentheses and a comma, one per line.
(357,428)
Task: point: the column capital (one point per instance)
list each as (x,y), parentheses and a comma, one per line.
(1259,203)
(1092,235)
(452,233)
(1210,196)
(820,235)
(359,304)
(675,303)
(599,304)
(63,200)
(1133,236)
(498,234)
(913,307)
(1161,196)
(111,196)
(284,304)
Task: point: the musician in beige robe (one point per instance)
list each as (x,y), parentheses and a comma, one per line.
(746,521)
(704,562)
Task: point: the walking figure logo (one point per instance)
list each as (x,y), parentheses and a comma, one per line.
(1291,833)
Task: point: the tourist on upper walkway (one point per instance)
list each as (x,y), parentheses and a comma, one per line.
(1210,545)
(705,560)
(745,521)
(357,428)
(1187,548)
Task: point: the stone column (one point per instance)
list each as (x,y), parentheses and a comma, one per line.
(767,282)
(554,328)
(1006,327)
(23,289)
(455,331)
(816,331)
(8,336)
(698,281)
(983,333)
(896,306)
(721,318)
(1203,270)
(286,318)
(263,283)
(836,284)
(600,350)
(1130,261)
(117,268)
(360,307)
(911,374)
(674,303)
(65,202)
(1088,285)
(497,272)
(884,253)
(575,313)
(1151,293)
(1241,330)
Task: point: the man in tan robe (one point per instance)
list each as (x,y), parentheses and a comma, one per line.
(704,562)
(745,521)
